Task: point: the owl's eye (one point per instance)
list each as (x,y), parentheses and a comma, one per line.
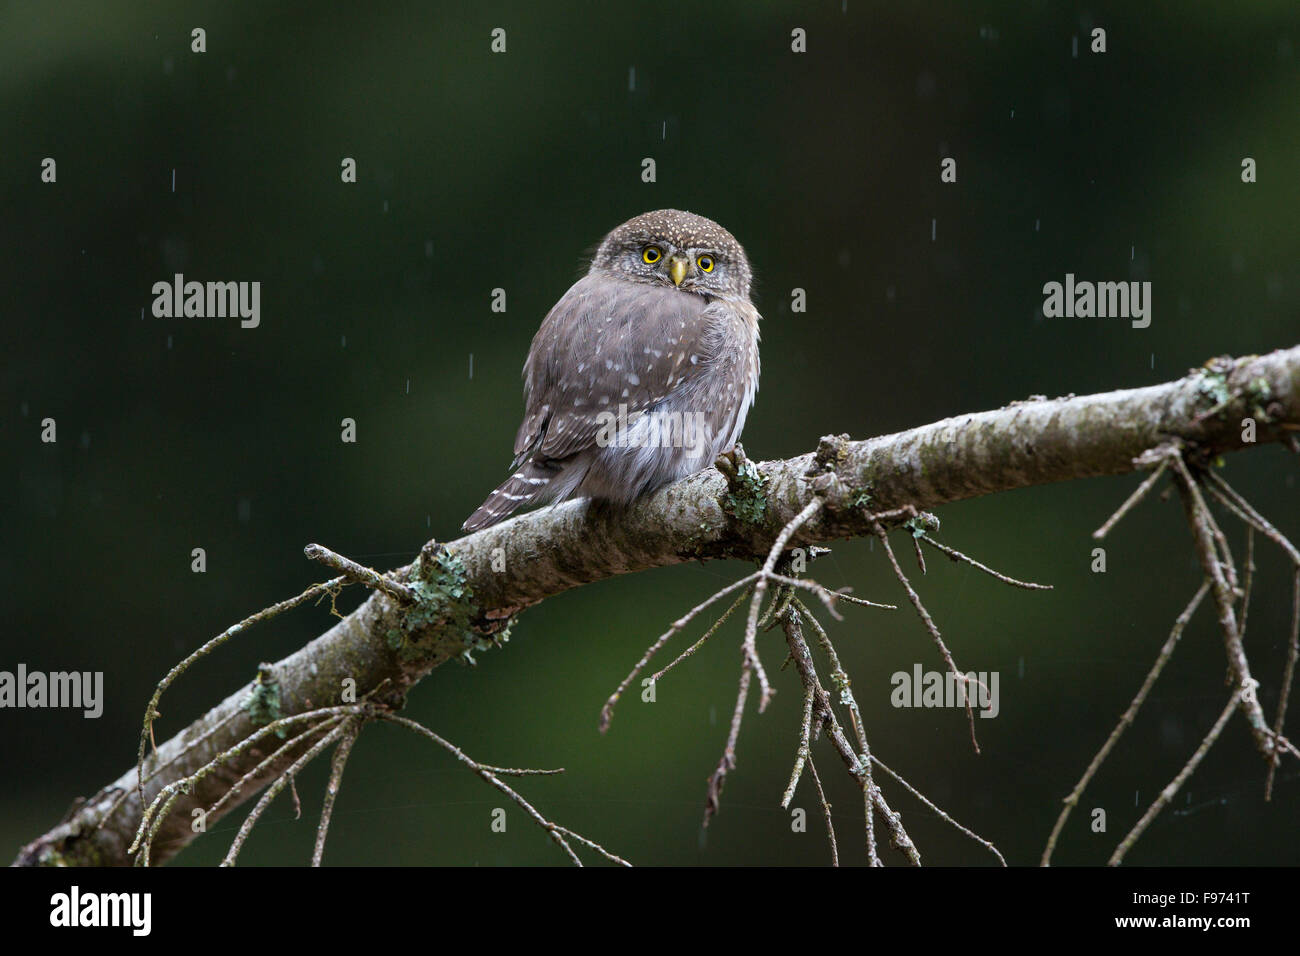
(651,254)
(705,263)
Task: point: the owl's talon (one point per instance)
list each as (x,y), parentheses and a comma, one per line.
(726,463)
(731,461)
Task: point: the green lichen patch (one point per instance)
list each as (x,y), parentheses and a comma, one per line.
(263,703)
(481,642)
(440,620)
(1260,394)
(922,524)
(1213,385)
(747,499)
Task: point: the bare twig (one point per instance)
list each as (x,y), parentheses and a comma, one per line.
(337,765)
(839,678)
(1225,600)
(360,573)
(826,595)
(1248,514)
(958,556)
(898,835)
(1126,719)
(1170,791)
(727,762)
(801,755)
(274,790)
(690,651)
(756,599)
(152,816)
(1288,676)
(928,621)
(490,774)
(233,791)
(1249,578)
(1141,492)
(1234,502)
(607,712)
(151,711)
(947,818)
(826,812)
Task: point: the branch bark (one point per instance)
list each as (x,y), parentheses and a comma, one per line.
(461,603)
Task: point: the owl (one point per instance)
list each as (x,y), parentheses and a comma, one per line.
(641,374)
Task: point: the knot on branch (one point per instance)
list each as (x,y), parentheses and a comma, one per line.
(1222,382)
(832,451)
(746,497)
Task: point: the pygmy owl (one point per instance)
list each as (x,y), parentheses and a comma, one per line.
(643,371)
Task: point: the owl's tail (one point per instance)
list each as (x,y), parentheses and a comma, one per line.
(526,486)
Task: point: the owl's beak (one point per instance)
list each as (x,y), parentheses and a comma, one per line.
(677,267)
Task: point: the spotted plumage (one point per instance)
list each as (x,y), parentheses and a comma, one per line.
(643,371)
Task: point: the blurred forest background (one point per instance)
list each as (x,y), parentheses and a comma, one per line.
(479,170)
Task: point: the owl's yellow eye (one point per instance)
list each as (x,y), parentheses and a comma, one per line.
(651,254)
(705,263)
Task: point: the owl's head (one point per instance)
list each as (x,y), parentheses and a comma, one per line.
(679,249)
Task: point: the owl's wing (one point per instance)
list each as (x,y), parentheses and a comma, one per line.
(607,342)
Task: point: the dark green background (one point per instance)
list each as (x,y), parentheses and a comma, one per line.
(479,171)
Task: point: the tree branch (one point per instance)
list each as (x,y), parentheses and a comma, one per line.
(464,594)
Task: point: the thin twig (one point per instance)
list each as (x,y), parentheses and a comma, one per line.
(270,760)
(168,794)
(489,774)
(898,834)
(1138,494)
(958,556)
(1126,719)
(727,763)
(607,712)
(1288,676)
(151,711)
(1248,514)
(828,597)
(826,812)
(1169,792)
(834,732)
(756,599)
(943,815)
(360,573)
(929,624)
(690,651)
(1249,579)
(1238,505)
(274,790)
(1225,600)
(158,768)
(337,765)
(801,755)
(839,677)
